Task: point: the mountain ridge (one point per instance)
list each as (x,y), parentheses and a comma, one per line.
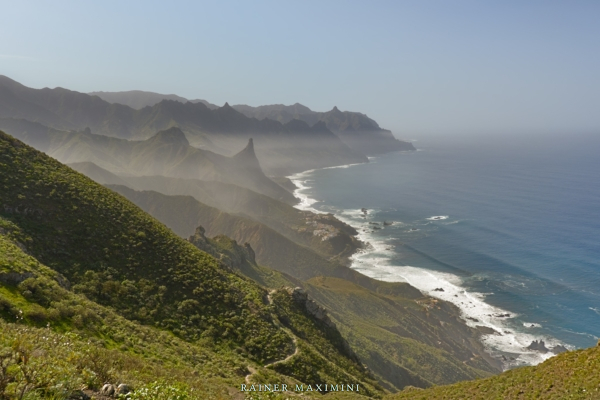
(219,130)
(354,128)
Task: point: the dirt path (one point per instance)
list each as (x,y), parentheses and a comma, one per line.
(286,330)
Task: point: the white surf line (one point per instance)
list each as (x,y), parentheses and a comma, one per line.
(374,262)
(300,179)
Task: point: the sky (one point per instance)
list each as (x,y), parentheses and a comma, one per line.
(418,68)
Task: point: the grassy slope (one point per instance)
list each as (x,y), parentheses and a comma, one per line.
(122,351)
(571,375)
(118,256)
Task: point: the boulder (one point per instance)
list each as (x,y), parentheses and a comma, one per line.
(123,389)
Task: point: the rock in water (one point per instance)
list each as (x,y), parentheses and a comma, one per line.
(559,349)
(538,346)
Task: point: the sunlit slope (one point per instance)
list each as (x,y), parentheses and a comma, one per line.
(102,246)
(570,375)
(89,344)
(123,258)
(84,345)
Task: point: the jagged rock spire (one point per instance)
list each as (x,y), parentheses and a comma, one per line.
(248,156)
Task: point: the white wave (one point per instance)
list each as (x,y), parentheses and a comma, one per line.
(595,309)
(301,180)
(374,261)
(343,166)
(531,325)
(437,218)
(475,311)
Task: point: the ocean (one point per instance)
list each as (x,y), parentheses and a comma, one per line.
(507,228)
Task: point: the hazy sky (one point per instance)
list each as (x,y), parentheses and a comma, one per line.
(417,67)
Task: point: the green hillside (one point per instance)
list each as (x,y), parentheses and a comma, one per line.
(403,342)
(570,375)
(94,290)
(65,237)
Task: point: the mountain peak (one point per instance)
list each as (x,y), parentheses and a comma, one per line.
(248,156)
(248,150)
(172,135)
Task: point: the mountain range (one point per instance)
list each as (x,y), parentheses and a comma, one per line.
(283,148)
(358,131)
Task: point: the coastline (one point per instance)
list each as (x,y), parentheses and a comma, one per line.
(502,338)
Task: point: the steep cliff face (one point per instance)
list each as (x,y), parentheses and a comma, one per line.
(226,250)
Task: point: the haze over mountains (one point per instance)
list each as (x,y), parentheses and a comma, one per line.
(282,147)
(139,99)
(351,127)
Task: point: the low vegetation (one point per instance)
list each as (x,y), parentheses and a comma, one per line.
(82,265)
(570,375)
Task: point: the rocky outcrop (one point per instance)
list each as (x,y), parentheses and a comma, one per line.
(301,297)
(538,346)
(225,249)
(559,349)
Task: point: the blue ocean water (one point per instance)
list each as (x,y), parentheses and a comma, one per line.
(508,229)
